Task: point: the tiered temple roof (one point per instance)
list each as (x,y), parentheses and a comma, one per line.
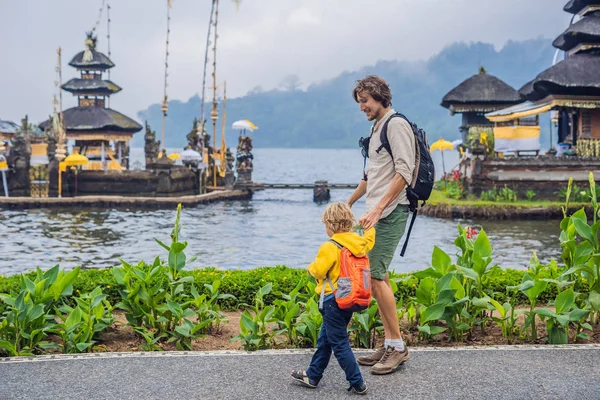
(92,120)
(582,7)
(579,73)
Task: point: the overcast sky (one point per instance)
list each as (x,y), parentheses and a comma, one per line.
(259,44)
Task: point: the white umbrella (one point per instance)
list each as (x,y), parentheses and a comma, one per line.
(244,125)
(190,155)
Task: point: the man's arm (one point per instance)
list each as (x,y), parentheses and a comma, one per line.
(359,192)
(397,185)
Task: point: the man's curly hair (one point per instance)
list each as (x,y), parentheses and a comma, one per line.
(376,87)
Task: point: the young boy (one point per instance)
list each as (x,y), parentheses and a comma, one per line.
(338,219)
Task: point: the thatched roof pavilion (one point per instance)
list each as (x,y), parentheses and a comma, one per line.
(480,93)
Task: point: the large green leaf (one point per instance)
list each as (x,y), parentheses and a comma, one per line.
(82,346)
(580,215)
(433,312)
(119,275)
(74,317)
(458,287)
(483,302)
(178,247)
(468,273)
(578,314)
(426,291)
(35,312)
(482,245)
(29,285)
(594,300)
(247,322)
(564,301)
(584,230)
(266,289)
(425,273)
(440,260)
(544,312)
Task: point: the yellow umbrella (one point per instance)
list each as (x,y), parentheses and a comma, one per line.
(442,145)
(174,156)
(75,159)
(72,160)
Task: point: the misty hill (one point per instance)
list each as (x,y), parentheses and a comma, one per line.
(325,115)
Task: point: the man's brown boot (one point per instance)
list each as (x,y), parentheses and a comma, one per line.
(373,358)
(390,361)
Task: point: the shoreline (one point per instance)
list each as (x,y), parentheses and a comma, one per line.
(23,203)
(497,212)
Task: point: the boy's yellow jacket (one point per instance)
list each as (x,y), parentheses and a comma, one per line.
(328,257)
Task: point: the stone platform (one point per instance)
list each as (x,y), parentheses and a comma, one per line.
(20,203)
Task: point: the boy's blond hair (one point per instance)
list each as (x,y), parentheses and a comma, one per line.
(338,217)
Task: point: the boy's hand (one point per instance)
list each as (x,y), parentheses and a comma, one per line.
(370,219)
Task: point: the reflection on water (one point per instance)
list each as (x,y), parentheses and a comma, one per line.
(276,227)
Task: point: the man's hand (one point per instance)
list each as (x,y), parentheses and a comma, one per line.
(369,220)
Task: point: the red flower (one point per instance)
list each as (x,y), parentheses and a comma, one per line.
(471,233)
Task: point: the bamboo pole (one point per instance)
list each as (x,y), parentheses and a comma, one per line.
(214,115)
(202,100)
(165,105)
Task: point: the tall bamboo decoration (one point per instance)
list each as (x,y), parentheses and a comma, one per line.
(223,158)
(214,114)
(61,148)
(165,106)
(108,39)
(202,100)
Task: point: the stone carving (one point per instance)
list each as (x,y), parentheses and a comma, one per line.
(152,146)
(193,137)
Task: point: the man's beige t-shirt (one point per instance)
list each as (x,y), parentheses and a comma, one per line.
(382,168)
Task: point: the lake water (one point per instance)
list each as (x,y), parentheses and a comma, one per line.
(276,227)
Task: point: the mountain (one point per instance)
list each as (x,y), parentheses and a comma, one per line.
(325,115)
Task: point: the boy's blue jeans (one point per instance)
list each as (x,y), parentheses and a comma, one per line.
(334,337)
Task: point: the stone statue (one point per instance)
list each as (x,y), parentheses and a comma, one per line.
(151,146)
(51,140)
(193,137)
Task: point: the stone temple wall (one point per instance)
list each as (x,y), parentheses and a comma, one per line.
(546,176)
(176,181)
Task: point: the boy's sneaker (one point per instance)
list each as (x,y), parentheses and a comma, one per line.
(373,358)
(359,389)
(303,379)
(390,361)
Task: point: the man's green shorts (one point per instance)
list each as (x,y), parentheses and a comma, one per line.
(388,232)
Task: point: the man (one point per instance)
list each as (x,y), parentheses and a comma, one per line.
(385,185)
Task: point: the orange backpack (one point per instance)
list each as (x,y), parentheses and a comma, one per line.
(354,283)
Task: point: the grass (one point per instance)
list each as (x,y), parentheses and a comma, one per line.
(439,198)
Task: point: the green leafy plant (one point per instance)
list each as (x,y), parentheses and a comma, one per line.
(154,297)
(530,194)
(365,325)
(208,310)
(254,330)
(557,322)
(309,323)
(286,313)
(78,327)
(25,325)
(532,286)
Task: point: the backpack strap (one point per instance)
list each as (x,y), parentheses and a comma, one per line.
(322,298)
(412,222)
(327,279)
(383,137)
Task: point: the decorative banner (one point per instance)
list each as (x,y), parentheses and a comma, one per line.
(516,138)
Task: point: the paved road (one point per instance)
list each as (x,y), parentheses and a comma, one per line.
(569,372)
